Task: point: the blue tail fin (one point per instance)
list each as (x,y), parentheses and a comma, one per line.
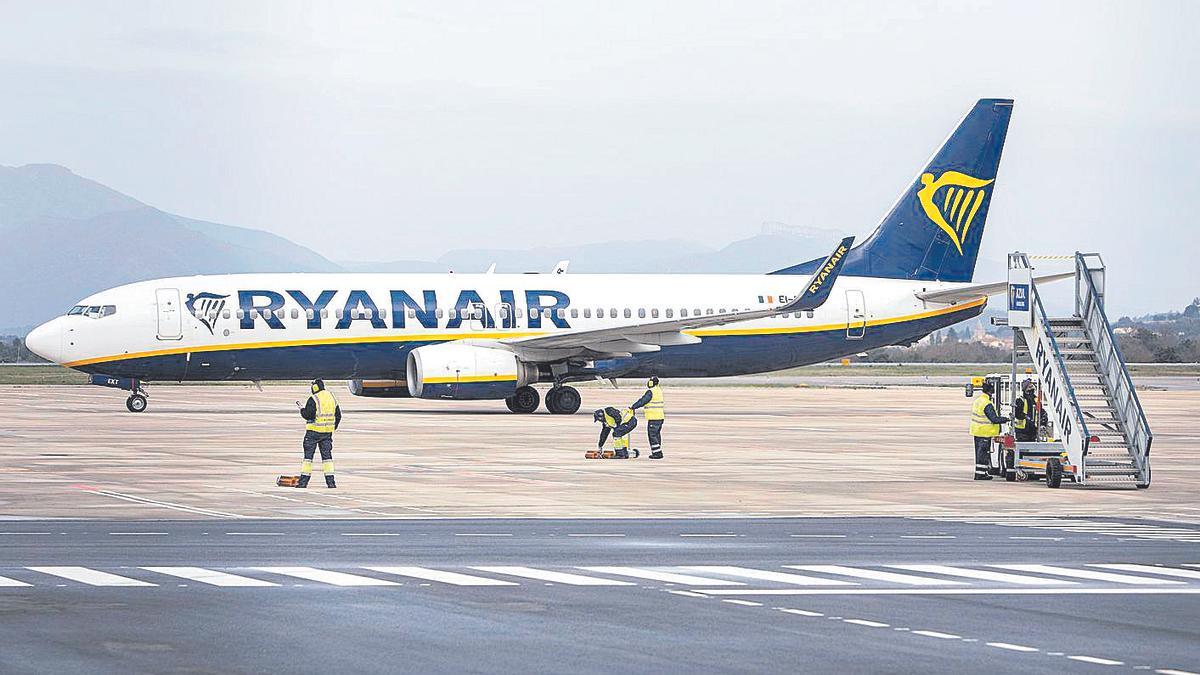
(934,230)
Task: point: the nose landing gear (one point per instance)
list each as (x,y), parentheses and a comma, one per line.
(137,400)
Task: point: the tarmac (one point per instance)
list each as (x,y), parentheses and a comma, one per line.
(789,528)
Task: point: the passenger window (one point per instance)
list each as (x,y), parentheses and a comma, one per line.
(439,314)
(587,312)
(339,313)
(670,313)
(722,310)
(412,313)
(654,314)
(225,314)
(561,313)
(612,312)
(520,312)
(279,314)
(696,312)
(709,311)
(809,313)
(241,314)
(309,314)
(295,313)
(574,313)
(382,313)
(628,313)
(641,312)
(325,314)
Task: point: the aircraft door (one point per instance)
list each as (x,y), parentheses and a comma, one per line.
(477,316)
(170,321)
(856,315)
(504,316)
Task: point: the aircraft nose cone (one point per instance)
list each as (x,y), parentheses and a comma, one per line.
(46,341)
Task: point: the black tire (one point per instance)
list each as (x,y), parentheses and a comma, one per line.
(1054,472)
(1143,486)
(1008,460)
(563,400)
(511,403)
(136,403)
(525,400)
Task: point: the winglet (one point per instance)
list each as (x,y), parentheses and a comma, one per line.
(816,292)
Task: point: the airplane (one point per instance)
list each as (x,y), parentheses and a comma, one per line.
(495,336)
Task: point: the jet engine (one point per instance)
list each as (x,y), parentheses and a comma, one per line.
(380,388)
(459,371)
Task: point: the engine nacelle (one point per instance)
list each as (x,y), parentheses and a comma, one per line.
(379,388)
(466,372)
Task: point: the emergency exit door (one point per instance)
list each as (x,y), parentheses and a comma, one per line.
(170,320)
(856,315)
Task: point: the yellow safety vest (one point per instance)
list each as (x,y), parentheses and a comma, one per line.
(326,416)
(656,408)
(1019,423)
(980,425)
(626,415)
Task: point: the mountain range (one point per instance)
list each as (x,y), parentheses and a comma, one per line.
(63,237)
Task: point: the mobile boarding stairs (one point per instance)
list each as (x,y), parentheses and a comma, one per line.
(1100,432)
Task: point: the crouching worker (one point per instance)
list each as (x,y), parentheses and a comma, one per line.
(620,423)
(323,415)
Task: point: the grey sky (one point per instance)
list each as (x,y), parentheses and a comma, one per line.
(402,130)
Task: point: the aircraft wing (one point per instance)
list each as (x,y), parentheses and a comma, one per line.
(977,291)
(651,336)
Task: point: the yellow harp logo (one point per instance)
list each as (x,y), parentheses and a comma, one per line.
(959,202)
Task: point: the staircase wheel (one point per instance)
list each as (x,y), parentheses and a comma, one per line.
(1054,472)
(1143,486)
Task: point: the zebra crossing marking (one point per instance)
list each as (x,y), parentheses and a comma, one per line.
(90,577)
(985,575)
(556,577)
(876,575)
(327,576)
(453,578)
(1087,574)
(762,575)
(210,577)
(1152,569)
(667,577)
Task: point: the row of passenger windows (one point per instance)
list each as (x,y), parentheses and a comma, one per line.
(92,311)
(503,313)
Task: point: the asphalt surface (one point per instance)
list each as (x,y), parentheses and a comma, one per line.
(699,595)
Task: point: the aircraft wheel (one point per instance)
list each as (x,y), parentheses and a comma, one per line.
(136,403)
(563,400)
(524,401)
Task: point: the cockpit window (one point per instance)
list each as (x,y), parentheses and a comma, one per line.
(77,309)
(93,311)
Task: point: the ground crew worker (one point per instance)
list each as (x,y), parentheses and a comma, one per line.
(323,415)
(1025,413)
(620,423)
(655,413)
(985,425)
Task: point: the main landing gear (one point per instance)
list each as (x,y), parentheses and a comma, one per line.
(560,400)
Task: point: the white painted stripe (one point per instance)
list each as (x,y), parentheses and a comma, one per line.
(89,576)
(935,634)
(1011,647)
(763,575)
(1171,671)
(799,612)
(1087,574)
(211,577)
(983,574)
(689,594)
(370,534)
(1153,569)
(657,575)
(819,536)
(746,603)
(864,622)
(1097,660)
(134,534)
(928,536)
(255,534)
(483,534)
(708,535)
(445,577)
(1083,590)
(557,577)
(166,505)
(5,582)
(876,575)
(326,576)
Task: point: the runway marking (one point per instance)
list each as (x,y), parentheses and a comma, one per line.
(1152,569)
(1097,660)
(762,575)
(18,533)
(453,578)
(89,576)
(709,535)
(799,612)
(370,534)
(157,502)
(255,534)
(928,536)
(134,534)
(864,622)
(1087,574)
(327,577)
(557,577)
(936,634)
(1039,538)
(596,534)
(689,594)
(483,534)
(984,574)
(1169,671)
(818,536)
(876,575)
(1189,590)
(211,577)
(5,582)
(1011,647)
(668,577)
(745,603)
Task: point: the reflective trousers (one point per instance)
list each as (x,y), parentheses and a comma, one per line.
(312,441)
(983,455)
(654,434)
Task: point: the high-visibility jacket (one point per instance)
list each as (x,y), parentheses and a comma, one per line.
(1020,414)
(326,417)
(611,422)
(656,408)
(980,424)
